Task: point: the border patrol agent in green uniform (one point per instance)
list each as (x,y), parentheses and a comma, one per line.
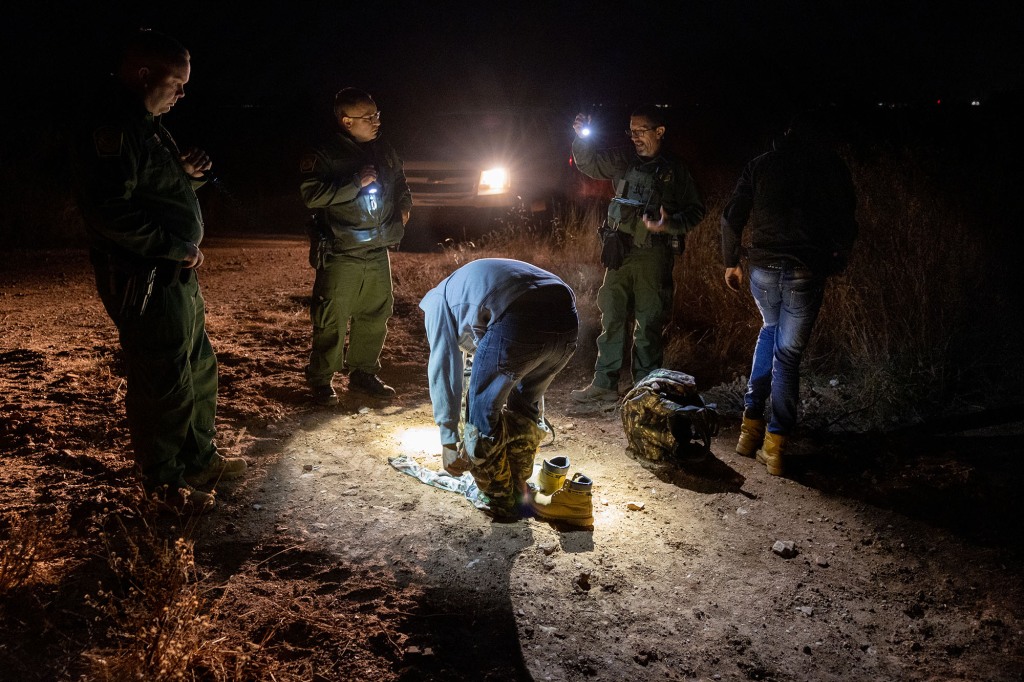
(136,192)
(656,203)
(356,183)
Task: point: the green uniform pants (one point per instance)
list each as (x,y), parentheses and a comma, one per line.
(352,292)
(171,399)
(643,284)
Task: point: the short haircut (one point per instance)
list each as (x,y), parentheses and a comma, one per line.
(348,97)
(146,47)
(812,126)
(653,113)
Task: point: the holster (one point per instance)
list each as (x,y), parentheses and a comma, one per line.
(127,284)
(615,246)
(319,245)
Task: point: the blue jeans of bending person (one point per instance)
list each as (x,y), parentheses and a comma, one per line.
(514,364)
(789,299)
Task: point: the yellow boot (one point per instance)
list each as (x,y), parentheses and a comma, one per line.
(771,453)
(751,436)
(551,475)
(572,503)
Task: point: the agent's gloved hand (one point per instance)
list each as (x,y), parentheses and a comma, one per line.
(580,123)
(455,460)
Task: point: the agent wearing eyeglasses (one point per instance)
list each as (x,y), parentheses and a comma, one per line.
(356,184)
(656,203)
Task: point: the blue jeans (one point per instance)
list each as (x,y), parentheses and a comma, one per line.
(789,299)
(514,364)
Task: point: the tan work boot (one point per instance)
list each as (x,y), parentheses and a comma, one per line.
(220,468)
(594,394)
(771,453)
(572,503)
(551,475)
(751,436)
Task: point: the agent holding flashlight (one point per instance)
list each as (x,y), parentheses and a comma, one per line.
(356,183)
(656,202)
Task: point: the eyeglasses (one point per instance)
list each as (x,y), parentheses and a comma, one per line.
(375,116)
(638,132)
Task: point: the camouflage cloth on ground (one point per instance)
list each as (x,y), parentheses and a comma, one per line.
(664,418)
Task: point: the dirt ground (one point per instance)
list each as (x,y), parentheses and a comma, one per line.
(908,549)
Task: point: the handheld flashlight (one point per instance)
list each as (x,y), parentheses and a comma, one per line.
(372,190)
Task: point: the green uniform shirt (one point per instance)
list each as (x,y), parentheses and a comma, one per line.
(355,218)
(136,198)
(641,183)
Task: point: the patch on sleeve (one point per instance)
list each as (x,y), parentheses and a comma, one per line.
(307,163)
(108,141)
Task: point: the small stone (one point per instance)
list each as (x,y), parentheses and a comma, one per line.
(549,548)
(257,507)
(549,563)
(821,561)
(806,610)
(604,501)
(635,506)
(785,549)
(307,467)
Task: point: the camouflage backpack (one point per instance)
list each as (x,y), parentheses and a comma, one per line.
(665,419)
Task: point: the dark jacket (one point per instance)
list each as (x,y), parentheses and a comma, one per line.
(354,218)
(803,204)
(137,201)
(642,184)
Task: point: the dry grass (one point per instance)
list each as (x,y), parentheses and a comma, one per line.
(158,619)
(26,541)
(895,330)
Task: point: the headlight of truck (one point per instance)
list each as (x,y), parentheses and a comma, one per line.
(494,181)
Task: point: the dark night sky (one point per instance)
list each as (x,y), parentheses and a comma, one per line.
(741,63)
(712,53)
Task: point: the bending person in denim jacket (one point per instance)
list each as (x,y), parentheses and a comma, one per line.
(519,324)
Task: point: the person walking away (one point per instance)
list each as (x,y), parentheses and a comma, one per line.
(800,201)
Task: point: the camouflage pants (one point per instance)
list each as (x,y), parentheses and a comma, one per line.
(504,460)
(515,362)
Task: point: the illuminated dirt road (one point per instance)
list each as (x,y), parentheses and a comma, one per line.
(340,567)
